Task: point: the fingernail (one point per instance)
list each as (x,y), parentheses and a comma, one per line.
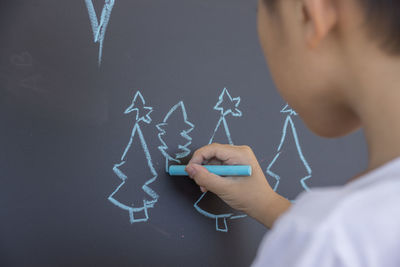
(191,171)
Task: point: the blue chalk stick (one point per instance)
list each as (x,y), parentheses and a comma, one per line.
(222,170)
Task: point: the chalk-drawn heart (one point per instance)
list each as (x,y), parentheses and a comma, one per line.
(23,59)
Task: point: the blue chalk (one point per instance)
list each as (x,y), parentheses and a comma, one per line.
(222,170)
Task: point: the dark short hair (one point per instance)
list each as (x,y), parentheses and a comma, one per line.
(382,18)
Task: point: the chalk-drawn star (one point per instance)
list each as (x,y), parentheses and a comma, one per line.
(288,109)
(226,104)
(138,105)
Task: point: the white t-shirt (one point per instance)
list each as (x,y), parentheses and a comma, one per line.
(356,225)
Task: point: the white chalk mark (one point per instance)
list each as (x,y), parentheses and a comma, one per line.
(181,150)
(31,82)
(99,28)
(138,105)
(226,105)
(23,59)
(289,124)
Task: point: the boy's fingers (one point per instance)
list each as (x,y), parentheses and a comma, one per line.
(205,179)
(202,154)
(208,152)
(224,153)
(214,162)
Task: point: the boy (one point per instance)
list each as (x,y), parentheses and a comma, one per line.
(336,62)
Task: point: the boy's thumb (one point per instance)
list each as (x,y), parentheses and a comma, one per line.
(204,178)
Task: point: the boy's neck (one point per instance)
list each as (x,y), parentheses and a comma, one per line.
(377,102)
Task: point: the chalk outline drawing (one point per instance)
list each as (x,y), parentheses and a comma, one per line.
(136,129)
(183,133)
(31,82)
(222,121)
(24,59)
(289,121)
(26,78)
(99,29)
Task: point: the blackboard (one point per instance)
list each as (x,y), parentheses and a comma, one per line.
(72,131)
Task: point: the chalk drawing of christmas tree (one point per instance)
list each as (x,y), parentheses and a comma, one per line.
(289,164)
(99,28)
(174,134)
(209,204)
(136,168)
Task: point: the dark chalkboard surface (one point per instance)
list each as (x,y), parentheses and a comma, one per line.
(96,97)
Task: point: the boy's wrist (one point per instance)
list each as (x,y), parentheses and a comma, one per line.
(275,205)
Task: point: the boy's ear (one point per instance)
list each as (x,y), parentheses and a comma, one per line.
(320,17)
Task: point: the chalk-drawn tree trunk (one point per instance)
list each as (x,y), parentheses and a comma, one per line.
(174,134)
(136,169)
(209,204)
(289,154)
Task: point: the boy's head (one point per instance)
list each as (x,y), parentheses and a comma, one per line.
(317,49)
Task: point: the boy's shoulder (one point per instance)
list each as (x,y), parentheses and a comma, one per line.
(371,200)
(352,225)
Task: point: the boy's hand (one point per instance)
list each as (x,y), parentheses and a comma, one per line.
(252,195)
